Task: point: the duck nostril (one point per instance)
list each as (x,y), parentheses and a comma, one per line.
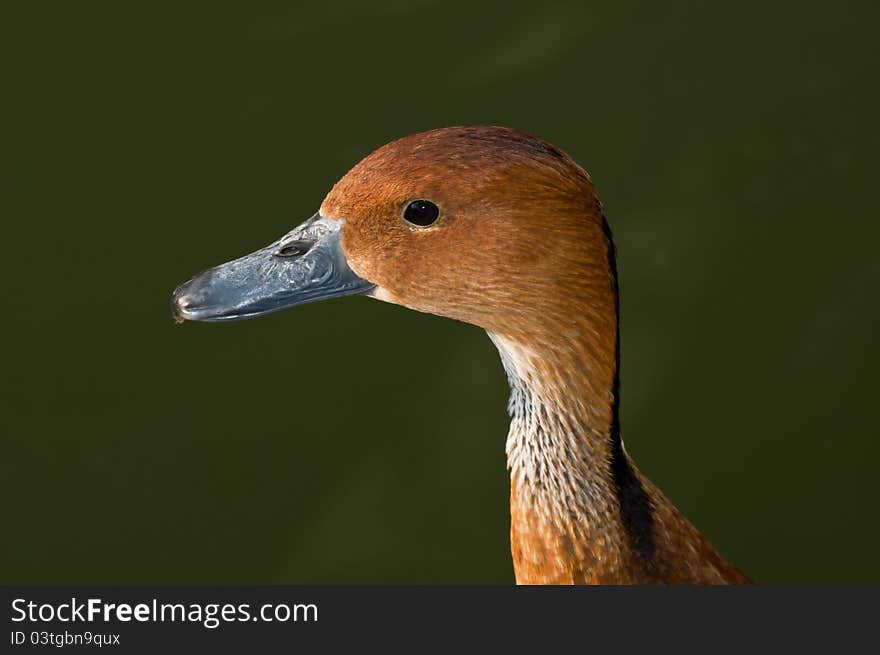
(293,249)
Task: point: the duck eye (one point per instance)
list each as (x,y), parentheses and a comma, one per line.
(421,212)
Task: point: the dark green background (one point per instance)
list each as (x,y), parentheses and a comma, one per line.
(354,441)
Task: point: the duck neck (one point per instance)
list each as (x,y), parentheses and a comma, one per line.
(580,510)
(577,505)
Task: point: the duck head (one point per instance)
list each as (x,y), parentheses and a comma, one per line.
(486,225)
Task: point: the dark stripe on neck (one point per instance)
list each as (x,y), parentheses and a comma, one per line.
(634,503)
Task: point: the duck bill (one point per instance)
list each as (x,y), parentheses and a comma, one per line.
(305,265)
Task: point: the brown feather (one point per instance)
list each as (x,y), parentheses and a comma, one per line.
(522,250)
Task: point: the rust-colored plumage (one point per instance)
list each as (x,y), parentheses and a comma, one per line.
(522,250)
(499,229)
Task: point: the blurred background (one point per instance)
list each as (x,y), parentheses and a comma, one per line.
(354,441)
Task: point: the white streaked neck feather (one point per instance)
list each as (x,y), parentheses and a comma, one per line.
(554,452)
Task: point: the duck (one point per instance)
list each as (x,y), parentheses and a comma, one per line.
(502,230)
